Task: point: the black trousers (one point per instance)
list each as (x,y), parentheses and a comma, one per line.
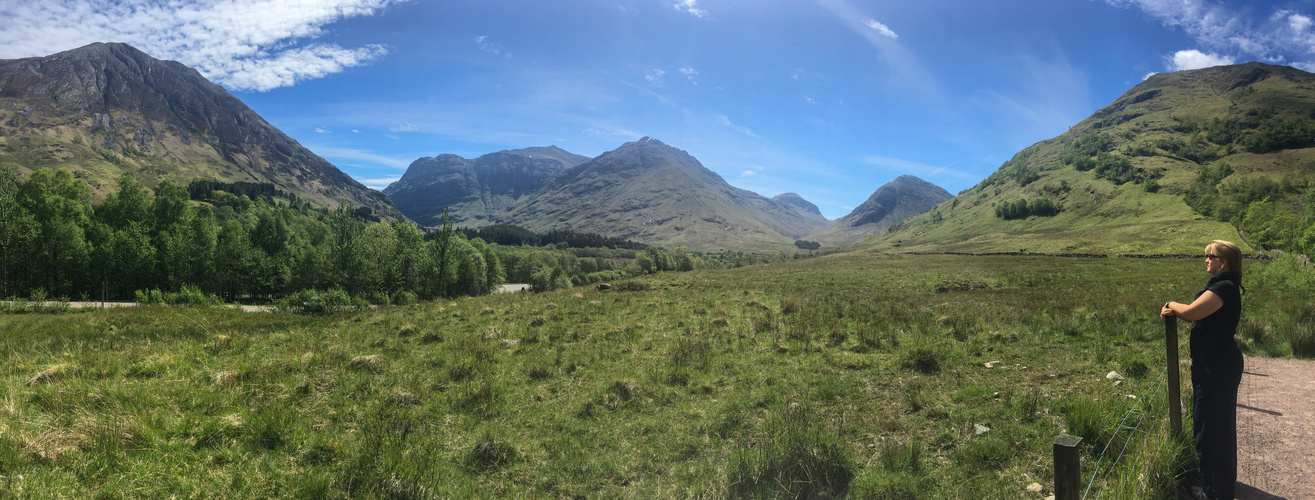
(1214,421)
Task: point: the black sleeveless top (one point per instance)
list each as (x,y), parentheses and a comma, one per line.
(1212,336)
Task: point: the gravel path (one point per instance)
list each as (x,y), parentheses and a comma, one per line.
(1276,430)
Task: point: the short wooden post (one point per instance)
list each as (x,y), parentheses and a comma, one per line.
(1068,470)
(1171,357)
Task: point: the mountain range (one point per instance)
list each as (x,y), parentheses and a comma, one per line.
(1181,158)
(645,191)
(108,108)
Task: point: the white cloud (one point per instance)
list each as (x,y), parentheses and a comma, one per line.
(690,6)
(881,29)
(405,128)
(654,75)
(1195,59)
(1298,22)
(240,44)
(354,131)
(1282,38)
(810,100)
(321,130)
(748,173)
(491,47)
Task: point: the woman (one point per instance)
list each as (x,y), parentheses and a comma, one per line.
(1216,367)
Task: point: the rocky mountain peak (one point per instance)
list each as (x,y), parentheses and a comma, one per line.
(166,120)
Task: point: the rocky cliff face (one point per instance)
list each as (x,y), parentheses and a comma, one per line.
(107,108)
(480,191)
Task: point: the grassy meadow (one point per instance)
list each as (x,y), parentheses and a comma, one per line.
(857,375)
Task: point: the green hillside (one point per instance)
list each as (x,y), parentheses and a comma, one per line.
(1178,160)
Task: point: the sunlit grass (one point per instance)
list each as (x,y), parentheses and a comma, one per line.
(844,375)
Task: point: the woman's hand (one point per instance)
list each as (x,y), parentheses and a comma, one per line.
(1166,312)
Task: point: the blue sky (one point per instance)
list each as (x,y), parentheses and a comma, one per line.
(826,98)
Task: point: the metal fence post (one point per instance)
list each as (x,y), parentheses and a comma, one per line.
(1171,358)
(1068,470)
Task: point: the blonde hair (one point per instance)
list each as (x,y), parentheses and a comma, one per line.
(1229,253)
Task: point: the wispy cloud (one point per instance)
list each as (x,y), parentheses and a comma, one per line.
(748,173)
(321,130)
(240,44)
(725,120)
(404,128)
(689,73)
(1228,34)
(691,7)
(490,47)
(930,173)
(654,75)
(379,183)
(881,29)
(367,158)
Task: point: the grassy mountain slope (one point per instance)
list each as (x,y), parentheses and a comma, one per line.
(1163,169)
(108,108)
(653,193)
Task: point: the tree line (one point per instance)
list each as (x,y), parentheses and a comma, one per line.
(510,235)
(55,242)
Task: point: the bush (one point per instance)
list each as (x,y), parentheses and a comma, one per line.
(313,301)
(189,295)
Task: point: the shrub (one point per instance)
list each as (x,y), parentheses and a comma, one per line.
(312,301)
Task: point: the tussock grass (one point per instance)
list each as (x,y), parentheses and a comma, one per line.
(801,378)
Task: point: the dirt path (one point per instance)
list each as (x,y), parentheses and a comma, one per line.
(1276,430)
(84,305)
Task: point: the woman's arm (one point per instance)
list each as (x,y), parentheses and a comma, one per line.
(1203,306)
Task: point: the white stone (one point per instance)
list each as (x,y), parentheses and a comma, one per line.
(1034,488)
(981,429)
(1113,376)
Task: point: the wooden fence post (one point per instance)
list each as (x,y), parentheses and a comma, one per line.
(1171,357)
(1068,470)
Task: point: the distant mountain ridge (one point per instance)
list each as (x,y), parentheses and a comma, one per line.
(480,191)
(653,193)
(644,191)
(106,108)
(895,201)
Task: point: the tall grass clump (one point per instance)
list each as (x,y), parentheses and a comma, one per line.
(796,457)
(898,474)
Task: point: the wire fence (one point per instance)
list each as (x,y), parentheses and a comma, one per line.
(1135,427)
